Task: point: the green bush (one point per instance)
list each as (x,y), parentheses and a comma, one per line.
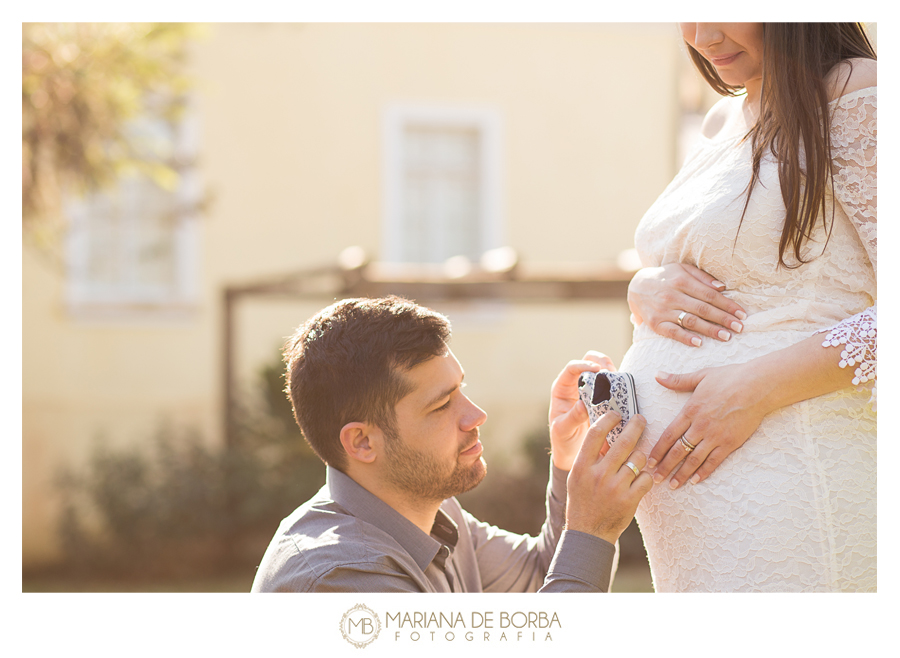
(514,501)
(180,506)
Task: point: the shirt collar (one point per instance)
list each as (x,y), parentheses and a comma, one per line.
(370,508)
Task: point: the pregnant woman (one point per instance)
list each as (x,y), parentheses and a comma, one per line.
(755,339)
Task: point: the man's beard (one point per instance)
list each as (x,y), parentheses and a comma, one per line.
(424,477)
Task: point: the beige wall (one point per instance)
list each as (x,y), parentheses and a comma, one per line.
(291,151)
(292,130)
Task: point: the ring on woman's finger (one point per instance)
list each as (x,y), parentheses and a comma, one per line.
(688,446)
(633,468)
(681,317)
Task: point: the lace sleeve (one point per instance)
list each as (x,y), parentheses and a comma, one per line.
(853,135)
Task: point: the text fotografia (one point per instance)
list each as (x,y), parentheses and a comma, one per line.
(477,626)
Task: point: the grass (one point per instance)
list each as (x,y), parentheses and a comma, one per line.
(46,583)
(630,579)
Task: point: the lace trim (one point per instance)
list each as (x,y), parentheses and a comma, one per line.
(854,138)
(859,336)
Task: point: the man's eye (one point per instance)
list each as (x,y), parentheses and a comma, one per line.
(443,406)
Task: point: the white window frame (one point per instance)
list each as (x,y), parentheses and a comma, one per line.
(487,122)
(85,301)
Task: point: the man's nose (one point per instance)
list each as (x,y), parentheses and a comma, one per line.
(474,417)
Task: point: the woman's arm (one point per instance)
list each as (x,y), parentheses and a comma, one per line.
(729,403)
(855,169)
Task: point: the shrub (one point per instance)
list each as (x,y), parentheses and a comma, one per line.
(180,506)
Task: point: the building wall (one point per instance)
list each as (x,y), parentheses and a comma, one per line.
(291,145)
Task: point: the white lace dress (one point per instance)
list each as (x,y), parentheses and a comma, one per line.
(793,509)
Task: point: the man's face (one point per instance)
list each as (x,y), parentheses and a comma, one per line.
(436,453)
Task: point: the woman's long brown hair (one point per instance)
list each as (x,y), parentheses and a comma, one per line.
(794,117)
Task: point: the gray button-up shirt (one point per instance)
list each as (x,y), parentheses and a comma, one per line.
(345,539)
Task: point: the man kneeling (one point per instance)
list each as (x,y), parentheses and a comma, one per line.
(378,396)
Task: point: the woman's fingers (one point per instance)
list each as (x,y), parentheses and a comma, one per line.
(693,318)
(700,464)
(713,460)
(703,298)
(662,448)
(690,459)
(691,329)
(685,382)
(713,315)
(722,413)
(711,292)
(684,303)
(703,277)
(677,451)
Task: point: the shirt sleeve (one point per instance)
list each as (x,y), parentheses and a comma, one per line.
(583,563)
(553,561)
(288,571)
(364,578)
(854,138)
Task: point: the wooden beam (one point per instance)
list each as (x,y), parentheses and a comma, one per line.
(328,283)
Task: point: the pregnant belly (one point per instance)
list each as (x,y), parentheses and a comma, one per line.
(652,354)
(792,509)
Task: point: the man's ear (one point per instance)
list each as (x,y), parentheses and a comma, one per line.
(362,442)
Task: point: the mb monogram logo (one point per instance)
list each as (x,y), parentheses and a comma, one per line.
(360,626)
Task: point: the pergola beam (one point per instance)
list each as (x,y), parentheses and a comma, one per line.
(423,285)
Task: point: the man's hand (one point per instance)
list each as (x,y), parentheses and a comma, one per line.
(568,417)
(603,492)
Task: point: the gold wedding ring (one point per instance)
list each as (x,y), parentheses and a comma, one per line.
(681,318)
(687,444)
(633,468)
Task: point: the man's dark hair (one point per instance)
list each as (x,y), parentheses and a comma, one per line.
(346,364)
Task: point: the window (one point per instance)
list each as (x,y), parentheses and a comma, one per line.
(133,248)
(441,179)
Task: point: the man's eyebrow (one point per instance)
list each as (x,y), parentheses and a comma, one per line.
(433,401)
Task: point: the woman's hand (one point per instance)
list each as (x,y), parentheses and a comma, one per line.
(729,403)
(568,416)
(658,296)
(727,406)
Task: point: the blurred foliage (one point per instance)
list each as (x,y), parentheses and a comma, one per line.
(82,86)
(179,507)
(515,501)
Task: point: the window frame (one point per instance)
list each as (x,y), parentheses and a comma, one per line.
(484,120)
(85,300)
